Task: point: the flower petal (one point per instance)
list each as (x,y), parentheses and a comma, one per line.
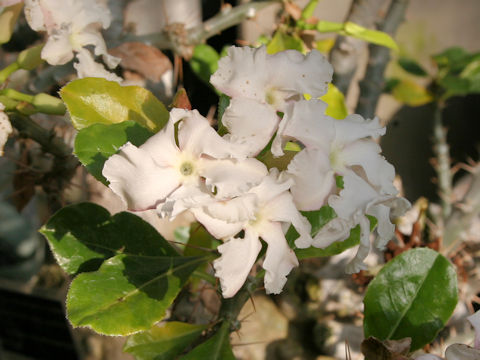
(87,67)
(238,257)
(242,73)
(357,264)
(137,179)
(197,137)
(5,128)
(335,230)
(355,127)
(378,170)
(250,123)
(308,74)
(219,229)
(306,122)
(474,320)
(279,259)
(58,49)
(314,178)
(282,208)
(231,177)
(161,147)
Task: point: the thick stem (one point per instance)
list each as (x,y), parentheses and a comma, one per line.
(442,166)
(50,143)
(231,307)
(201,33)
(346,51)
(373,83)
(461,217)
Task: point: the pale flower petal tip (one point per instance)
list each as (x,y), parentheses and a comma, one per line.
(5,128)
(475,321)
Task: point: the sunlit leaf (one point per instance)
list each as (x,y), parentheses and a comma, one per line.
(83,235)
(336,103)
(128,293)
(94,100)
(96,143)
(163,342)
(282,41)
(325,45)
(412,296)
(371,36)
(411,93)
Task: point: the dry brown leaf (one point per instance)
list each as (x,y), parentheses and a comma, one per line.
(144,59)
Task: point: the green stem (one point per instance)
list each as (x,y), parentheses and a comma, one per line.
(9,70)
(17,95)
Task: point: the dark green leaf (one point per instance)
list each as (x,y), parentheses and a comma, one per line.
(216,348)
(454,58)
(412,296)
(96,143)
(163,342)
(128,293)
(411,66)
(204,62)
(82,236)
(200,241)
(95,100)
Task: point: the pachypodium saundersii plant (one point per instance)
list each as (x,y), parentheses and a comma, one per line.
(276,181)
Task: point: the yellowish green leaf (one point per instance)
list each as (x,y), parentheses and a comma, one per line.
(372,36)
(411,93)
(282,41)
(336,103)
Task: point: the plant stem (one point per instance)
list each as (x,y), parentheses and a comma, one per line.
(204,276)
(346,51)
(7,71)
(373,82)
(461,218)
(442,153)
(50,143)
(182,44)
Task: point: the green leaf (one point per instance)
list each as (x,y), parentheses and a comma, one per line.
(83,235)
(223,102)
(163,342)
(204,62)
(329,26)
(200,241)
(96,143)
(128,293)
(411,66)
(411,93)
(30,58)
(454,58)
(282,41)
(309,9)
(216,348)
(95,100)
(336,103)
(371,36)
(412,296)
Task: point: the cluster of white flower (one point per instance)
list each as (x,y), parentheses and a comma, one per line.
(187,166)
(71,25)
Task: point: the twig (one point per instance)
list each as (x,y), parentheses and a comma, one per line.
(347,49)
(372,84)
(182,42)
(442,166)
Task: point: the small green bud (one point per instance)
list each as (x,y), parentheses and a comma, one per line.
(48,104)
(30,58)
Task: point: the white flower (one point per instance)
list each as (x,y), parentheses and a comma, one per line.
(260,84)
(356,200)
(5,128)
(87,67)
(144,176)
(332,147)
(266,212)
(70,25)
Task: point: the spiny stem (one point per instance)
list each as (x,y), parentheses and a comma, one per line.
(442,153)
